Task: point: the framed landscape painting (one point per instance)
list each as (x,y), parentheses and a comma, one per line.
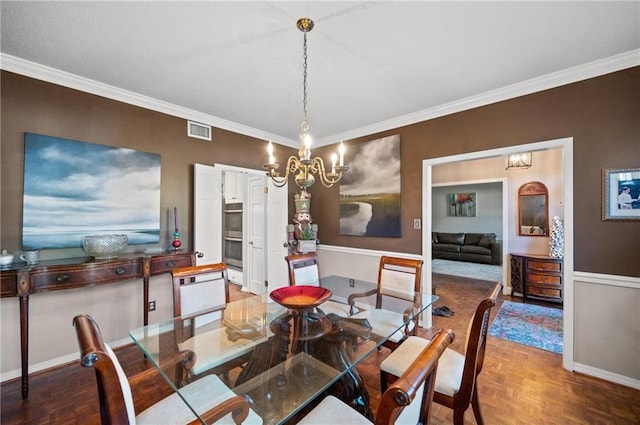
(621,194)
(370,190)
(73,189)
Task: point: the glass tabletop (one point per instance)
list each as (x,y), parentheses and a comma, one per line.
(278,359)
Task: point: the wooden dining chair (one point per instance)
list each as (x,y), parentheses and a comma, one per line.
(115,390)
(457,381)
(200,294)
(304,270)
(399,279)
(407,400)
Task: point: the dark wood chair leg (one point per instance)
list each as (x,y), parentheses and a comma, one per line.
(384,381)
(458,416)
(475,404)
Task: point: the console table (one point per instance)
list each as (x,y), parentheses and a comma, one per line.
(21,280)
(537,276)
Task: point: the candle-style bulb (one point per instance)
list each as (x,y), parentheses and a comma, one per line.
(333,163)
(341,152)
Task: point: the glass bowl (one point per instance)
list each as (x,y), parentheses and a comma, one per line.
(300,297)
(105,246)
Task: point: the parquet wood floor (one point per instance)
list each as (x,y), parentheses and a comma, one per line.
(519,384)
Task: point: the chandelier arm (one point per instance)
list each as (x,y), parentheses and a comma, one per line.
(291,167)
(327,180)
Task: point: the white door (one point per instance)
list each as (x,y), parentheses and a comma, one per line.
(207,220)
(256,222)
(271,207)
(277,219)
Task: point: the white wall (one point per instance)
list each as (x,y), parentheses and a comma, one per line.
(488,217)
(607,327)
(117,307)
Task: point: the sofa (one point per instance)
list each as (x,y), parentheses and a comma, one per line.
(470,247)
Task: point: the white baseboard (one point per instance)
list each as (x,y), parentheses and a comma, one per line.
(59,361)
(607,376)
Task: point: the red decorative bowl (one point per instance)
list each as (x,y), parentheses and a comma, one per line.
(300,297)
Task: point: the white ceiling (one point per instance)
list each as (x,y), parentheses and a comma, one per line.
(372,65)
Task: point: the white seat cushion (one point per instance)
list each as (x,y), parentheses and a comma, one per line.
(333,411)
(450,366)
(204,394)
(384,322)
(213,348)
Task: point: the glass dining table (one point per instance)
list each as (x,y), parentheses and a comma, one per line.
(279,359)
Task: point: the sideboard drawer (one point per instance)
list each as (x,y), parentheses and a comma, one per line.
(8,286)
(537,276)
(544,292)
(544,266)
(544,279)
(166,263)
(62,278)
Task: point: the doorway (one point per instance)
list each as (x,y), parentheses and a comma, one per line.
(566,147)
(264,220)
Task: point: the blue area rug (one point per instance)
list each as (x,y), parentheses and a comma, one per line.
(528,324)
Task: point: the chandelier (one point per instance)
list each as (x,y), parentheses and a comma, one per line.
(519,160)
(303,166)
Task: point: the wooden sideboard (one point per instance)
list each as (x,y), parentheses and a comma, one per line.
(22,280)
(537,276)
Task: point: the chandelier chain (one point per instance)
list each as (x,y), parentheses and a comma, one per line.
(304,83)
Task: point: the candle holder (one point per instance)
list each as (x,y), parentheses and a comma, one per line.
(176,244)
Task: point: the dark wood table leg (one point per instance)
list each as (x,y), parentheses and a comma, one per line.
(24,344)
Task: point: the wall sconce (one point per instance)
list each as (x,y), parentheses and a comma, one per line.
(519,160)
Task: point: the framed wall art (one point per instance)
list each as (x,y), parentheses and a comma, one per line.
(621,194)
(73,189)
(461,204)
(370,190)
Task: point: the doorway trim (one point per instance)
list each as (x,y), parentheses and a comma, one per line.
(566,145)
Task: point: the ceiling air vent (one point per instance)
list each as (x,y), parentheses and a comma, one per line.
(199,131)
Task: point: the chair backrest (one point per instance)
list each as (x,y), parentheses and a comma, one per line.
(199,289)
(114,392)
(476,343)
(303,269)
(398,278)
(404,390)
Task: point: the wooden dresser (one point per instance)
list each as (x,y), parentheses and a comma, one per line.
(21,280)
(538,276)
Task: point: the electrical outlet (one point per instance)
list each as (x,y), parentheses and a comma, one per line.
(352,282)
(152,305)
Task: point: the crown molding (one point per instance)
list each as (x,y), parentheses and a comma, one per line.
(66,79)
(567,76)
(570,75)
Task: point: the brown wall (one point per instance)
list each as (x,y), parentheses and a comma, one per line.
(35,106)
(601,114)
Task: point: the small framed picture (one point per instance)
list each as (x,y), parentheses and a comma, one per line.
(621,194)
(461,204)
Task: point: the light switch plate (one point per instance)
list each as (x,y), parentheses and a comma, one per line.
(416,223)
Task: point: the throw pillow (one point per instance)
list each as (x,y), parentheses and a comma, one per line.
(487,240)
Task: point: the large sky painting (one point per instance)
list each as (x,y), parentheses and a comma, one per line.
(73,189)
(370,189)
